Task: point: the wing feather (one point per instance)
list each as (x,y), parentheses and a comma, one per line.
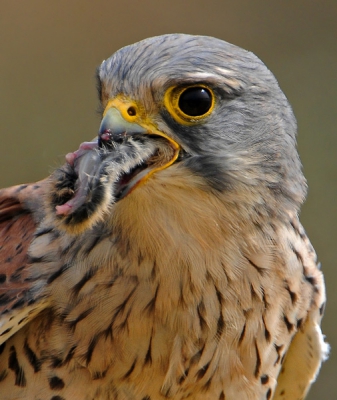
(21,211)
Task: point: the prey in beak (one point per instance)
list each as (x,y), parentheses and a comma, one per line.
(128,150)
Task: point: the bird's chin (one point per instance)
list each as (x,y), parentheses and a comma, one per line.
(94,177)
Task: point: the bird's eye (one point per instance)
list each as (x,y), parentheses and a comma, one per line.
(189,104)
(195,101)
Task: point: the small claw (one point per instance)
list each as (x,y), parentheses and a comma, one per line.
(88,145)
(70,158)
(64,209)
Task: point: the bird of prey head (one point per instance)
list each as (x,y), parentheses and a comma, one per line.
(176,107)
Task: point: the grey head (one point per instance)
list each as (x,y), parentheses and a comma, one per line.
(243,142)
(250,136)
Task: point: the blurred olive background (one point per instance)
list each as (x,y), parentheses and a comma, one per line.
(49,52)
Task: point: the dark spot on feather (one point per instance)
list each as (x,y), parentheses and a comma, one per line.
(242,334)
(264,379)
(310,279)
(183,376)
(3,375)
(289,325)
(6,331)
(279,352)
(321,309)
(260,270)
(129,372)
(84,314)
(196,357)
(58,273)
(220,326)
(201,312)
(293,295)
(222,396)
(22,320)
(93,244)
(219,296)
(3,278)
(258,361)
(148,357)
(264,299)
(202,371)
(268,395)
(297,253)
(150,307)
(266,331)
(30,302)
(32,358)
(253,293)
(99,374)
(57,398)
(56,362)
(166,393)
(273,227)
(91,348)
(13,364)
(2,347)
(140,257)
(18,190)
(38,260)
(207,385)
(4,299)
(122,306)
(86,278)
(18,304)
(154,271)
(56,383)
(16,275)
(299,323)
(68,247)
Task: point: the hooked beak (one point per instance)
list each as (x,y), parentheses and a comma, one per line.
(120,122)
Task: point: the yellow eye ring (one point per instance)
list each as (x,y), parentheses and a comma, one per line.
(189,104)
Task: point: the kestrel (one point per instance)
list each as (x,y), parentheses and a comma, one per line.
(165,259)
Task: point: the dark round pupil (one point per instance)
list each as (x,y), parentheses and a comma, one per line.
(195,101)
